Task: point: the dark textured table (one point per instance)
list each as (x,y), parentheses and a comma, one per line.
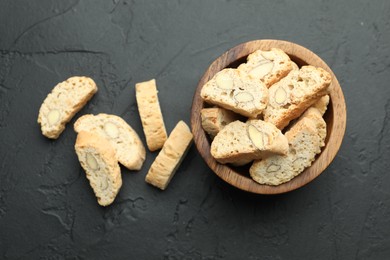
(47,208)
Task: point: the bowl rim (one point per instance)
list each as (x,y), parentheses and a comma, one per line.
(337,127)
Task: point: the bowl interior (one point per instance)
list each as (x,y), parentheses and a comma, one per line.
(335,117)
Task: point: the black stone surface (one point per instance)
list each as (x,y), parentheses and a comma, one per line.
(47,208)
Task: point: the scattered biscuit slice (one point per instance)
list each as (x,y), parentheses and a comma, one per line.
(236,91)
(64,101)
(98,159)
(170,156)
(128,146)
(305,138)
(214,119)
(150,113)
(240,143)
(292,95)
(267,66)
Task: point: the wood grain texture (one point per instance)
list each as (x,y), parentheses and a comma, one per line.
(335,118)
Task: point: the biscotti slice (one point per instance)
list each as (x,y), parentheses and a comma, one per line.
(129,149)
(64,101)
(240,142)
(294,66)
(292,95)
(98,159)
(235,91)
(315,115)
(150,113)
(267,66)
(304,143)
(170,156)
(214,119)
(322,104)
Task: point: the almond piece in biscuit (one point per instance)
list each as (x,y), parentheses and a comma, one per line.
(128,146)
(267,66)
(98,159)
(236,91)
(292,95)
(239,143)
(305,139)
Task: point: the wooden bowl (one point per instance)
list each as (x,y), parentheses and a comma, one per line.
(335,118)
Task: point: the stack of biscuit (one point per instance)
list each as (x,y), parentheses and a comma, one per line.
(268,112)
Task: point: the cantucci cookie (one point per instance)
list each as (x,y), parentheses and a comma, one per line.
(170,156)
(236,91)
(292,95)
(315,112)
(129,149)
(64,101)
(294,66)
(150,113)
(240,143)
(305,138)
(267,66)
(98,159)
(214,119)
(315,115)
(322,104)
